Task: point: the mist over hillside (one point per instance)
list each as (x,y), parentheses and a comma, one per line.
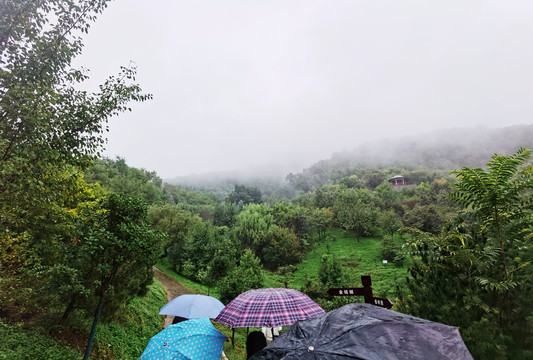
(271,173)
(445,149)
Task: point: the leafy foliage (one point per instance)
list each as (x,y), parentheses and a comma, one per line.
(476,274)
(283,248)
(428,218)
(390,222)
(48,130)
(44,118)
(330,270)
(177,224)
(245,195)
(114,254)
(356,210)
(252,225)
(117,177)
(246,276)
(124,338)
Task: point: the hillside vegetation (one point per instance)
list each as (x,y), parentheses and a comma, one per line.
(123,337)
(80,234)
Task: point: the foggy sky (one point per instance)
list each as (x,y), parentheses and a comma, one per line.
(243,83)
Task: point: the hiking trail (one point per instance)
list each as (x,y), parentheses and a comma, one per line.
(172,288)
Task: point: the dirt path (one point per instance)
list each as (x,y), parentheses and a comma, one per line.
(172,288)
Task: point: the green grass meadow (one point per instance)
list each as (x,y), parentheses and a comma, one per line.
(358,258)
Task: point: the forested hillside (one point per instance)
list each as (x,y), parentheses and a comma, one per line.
(80,234)
(464,236)
(442,150)
(419,154)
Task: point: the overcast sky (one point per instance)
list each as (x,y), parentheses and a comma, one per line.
(244,83)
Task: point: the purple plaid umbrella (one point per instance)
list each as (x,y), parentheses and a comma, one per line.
(268,308)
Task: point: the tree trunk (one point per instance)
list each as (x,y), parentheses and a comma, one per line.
(69,309)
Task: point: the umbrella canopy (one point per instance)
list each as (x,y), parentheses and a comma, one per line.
(368,332)
(191,306)
(187,340)
(268,308)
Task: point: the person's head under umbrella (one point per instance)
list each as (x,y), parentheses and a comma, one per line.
(255,341)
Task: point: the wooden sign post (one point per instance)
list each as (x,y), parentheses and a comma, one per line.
(365,291)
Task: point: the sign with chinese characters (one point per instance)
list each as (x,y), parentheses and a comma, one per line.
(346,291)
(382,302)
(365,291)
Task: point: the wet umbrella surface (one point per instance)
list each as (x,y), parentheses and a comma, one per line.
(365,331)
(192,306)
(191,339)
(268,308)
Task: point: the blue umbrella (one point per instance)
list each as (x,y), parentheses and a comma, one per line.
(191,306)
(188,340)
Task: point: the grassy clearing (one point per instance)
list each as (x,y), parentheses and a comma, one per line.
(358,258)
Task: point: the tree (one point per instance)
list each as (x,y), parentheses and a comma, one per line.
(374,178)
(499,199)
(223,260)
(285,273)
(356,210)
(246,276)
(321,220)
(428,218)
(351,181)
(476,273)
(330,270)
(39,250)
(390,222)
(252,225)
(387,196)
(44,118)
(326,195)
(110,257)
(117,177)
(293,217)
(177,224)
(48,127)
(391,251)
(224,214)
(283,248)
(246,194)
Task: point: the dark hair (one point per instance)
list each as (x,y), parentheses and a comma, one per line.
(178,319)
(254,342)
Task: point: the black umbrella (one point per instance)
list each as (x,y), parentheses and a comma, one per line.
(368,332)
